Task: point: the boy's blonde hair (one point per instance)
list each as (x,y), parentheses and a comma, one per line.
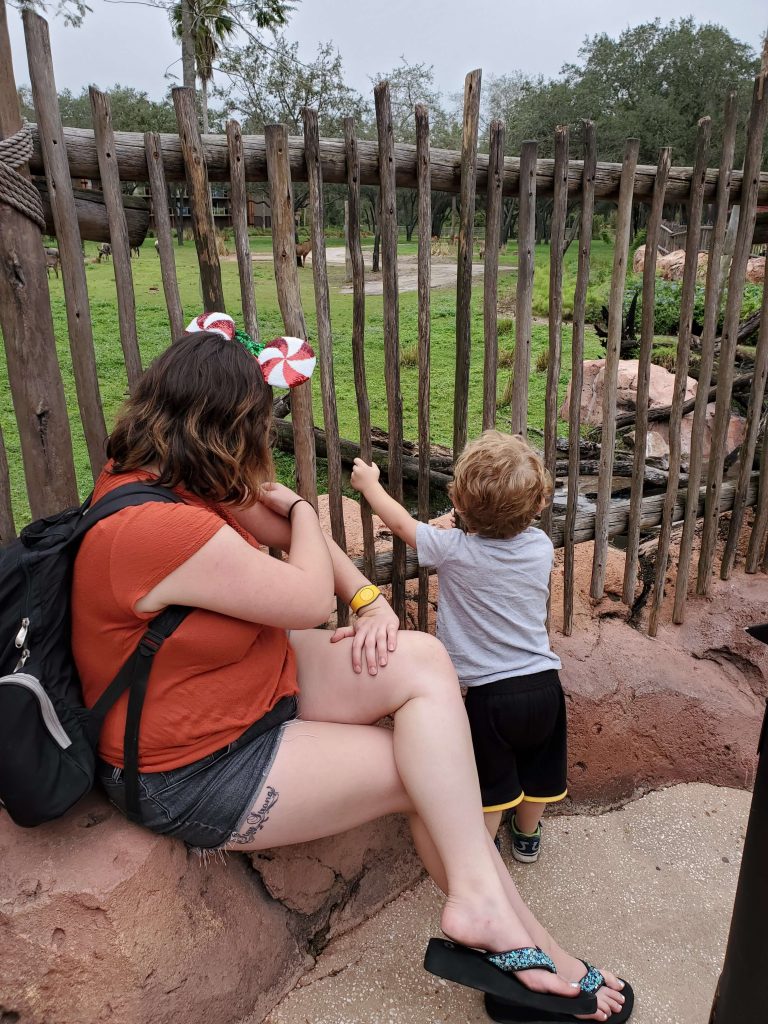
(499,485)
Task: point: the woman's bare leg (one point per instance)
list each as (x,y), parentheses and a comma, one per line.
(325,780)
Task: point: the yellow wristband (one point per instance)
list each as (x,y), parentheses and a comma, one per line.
(366,595)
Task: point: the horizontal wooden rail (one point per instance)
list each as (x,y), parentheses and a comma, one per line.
(445,166)
(618,518)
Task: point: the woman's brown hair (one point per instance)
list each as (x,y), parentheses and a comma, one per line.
(200,414)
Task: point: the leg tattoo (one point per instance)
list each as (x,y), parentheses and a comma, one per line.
(256,820)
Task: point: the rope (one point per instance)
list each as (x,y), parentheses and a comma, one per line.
(16,190)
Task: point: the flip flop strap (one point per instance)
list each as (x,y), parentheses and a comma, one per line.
(527,959)
(592,980)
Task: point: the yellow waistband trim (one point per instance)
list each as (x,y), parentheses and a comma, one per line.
(544,799)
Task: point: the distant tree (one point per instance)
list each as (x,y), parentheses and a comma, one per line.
(71,11)
(132,110)
(212,27)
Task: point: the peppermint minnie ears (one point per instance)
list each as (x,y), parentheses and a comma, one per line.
(285,362)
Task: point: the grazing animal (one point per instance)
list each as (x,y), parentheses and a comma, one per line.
(302,251)
(157,246)
(104,251)
(136,249)
(52,261)
(482,252)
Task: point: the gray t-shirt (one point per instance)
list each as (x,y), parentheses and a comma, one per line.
(492,608)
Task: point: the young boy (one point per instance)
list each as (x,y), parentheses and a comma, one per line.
(494,585)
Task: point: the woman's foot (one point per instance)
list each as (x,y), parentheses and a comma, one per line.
(480,927)
(609,997)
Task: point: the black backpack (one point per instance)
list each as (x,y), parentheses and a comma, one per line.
(47,736)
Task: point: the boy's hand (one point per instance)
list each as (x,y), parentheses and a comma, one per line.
(364,476)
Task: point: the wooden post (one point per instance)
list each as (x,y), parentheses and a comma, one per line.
(67,237)
(711,314)
(27,327)
(358,333)
(164,233)
(199,200)
(760,525)
(391,328)
(118,233)
(7,524)
(577,368)
(465,253)
(556,252)
(424,280)
(526,228)
(347,253)
(612,352)
(742,247)
(238,201)
(491,272)
(687,297)
(325,338)
(289,299)
(747,454)
(644,373)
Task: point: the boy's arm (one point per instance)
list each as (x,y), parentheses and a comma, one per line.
(365,479)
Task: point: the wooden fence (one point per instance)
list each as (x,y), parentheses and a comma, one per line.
(63,154)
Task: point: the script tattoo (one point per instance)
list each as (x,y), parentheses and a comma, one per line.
(256,820)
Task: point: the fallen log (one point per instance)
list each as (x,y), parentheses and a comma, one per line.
(445,166)
(618,519)
(662,412)
(92,215)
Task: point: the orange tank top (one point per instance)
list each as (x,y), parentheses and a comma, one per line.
(213,678)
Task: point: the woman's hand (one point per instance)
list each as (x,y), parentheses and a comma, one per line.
(278,498)
(364,476)
(374,634)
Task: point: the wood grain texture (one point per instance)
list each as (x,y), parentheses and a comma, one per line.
(612,355)
(424,277)
(238,201)
(742,247)
(289,300)
(164,233)
(523,308)
(199,199)
(325,339)
(389,232)
(491,273)
(577,368)
(644,374)
(64,214)
(26,323)
(118,233)
(687,296)
(445,172)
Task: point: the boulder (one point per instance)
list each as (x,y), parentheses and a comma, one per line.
(638,260)
(101,920)
(644,713)
(660,393)
(756,269)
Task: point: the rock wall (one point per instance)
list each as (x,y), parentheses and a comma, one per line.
(101,921)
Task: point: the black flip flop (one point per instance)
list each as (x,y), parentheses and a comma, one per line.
(508,1013)
(475,969)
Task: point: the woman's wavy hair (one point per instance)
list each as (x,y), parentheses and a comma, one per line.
(201,413)
(499,485)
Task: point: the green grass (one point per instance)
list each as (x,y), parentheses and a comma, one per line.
(154,336)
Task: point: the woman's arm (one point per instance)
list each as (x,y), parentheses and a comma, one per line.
(230,576)
(366,479)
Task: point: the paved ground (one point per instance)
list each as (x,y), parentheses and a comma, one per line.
(442,272)
(646,890)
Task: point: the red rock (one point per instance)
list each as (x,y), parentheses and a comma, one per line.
(661,389)
(756,269)
(638,260)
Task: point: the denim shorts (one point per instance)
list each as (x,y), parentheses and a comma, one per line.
(208,803)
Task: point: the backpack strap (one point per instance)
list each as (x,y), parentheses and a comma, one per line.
(134,674)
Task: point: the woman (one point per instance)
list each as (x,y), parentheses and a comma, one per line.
(199,422)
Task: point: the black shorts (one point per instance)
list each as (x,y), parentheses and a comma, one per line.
(519,732)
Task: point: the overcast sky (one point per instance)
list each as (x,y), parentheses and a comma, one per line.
(131,43)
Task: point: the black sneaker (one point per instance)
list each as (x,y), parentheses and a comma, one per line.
(525,848)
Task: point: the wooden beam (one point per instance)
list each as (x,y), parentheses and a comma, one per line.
(445,173)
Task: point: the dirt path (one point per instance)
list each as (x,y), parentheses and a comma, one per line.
(647,890)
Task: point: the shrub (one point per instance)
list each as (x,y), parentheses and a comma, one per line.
(506,358)
(409,355)
(542,361)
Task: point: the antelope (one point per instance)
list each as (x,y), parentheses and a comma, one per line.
(52,261)
(104,251)
(302,251)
